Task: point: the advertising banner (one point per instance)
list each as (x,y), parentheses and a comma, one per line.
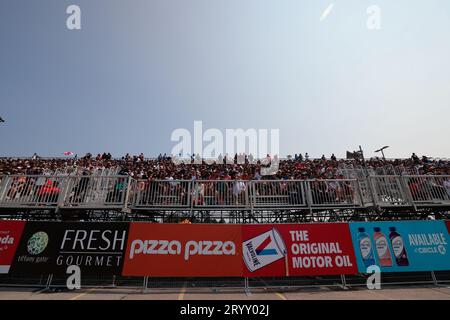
(10,233)
(401,245)
(164,250)
(298,250)
(50,247)
(160,250)
(221,250)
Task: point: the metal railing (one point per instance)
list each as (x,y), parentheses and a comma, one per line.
(226,285)
(388,191)
(31,191)
(305,193)
(124,193)
(161,194)
(334,193)
(278,194)
(428,189)
(411,191)
(220,194)
(96,192)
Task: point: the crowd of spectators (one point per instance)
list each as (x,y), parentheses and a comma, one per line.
(240,167)
(30,186)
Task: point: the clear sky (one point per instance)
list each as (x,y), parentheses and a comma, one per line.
(137,70)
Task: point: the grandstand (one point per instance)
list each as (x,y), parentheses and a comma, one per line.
(136,188)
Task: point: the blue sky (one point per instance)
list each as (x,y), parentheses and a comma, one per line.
(137,70)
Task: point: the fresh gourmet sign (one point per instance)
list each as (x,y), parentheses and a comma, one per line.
(50,247)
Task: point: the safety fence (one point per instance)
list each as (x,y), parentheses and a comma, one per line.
(428,189)
(162,193)
(389,191)
(37,191)
(411,191)
(104,192)
(219,285)
(96,192)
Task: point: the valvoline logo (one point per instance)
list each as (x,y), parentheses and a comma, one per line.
(262,249)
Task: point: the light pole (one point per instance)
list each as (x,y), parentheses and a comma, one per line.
(1,120)
(381,150)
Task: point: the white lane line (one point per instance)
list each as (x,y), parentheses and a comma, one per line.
(182,292)
(82,294)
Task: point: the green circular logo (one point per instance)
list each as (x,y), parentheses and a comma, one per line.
(37,243)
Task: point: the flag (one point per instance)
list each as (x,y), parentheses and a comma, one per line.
(68,153)
(354,155)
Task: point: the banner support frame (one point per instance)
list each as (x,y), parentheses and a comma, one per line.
(344,282)
(247,287)
(49,282)
(144,284)
(433,276)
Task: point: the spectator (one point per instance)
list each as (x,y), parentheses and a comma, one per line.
(415,159)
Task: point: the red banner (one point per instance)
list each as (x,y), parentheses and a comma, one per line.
(160,250)
(10,233)
(298,250)
(447,223)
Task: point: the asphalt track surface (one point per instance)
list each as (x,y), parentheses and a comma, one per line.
(320,293)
